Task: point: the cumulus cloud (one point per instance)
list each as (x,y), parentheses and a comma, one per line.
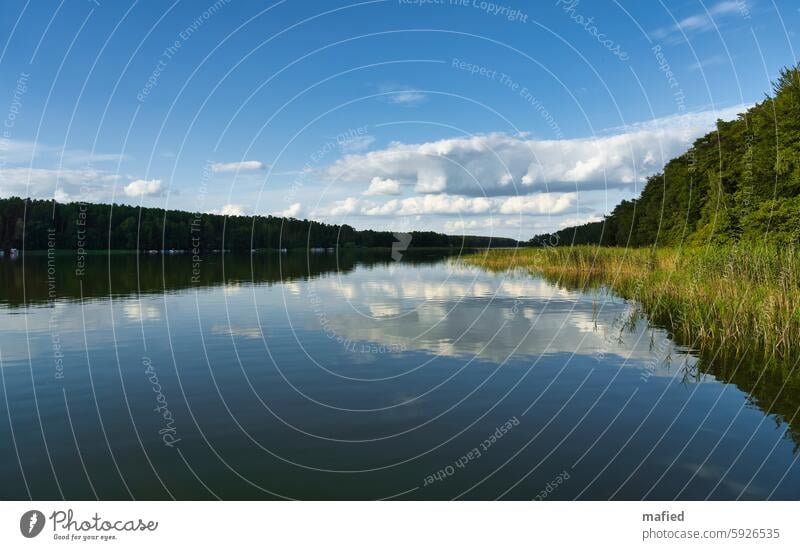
(571,222)
(340,208)
(484,225)
(381,186)
(544,203)
(501,164)
(61,174)
(139,188)
(61,196)
(241,166)
(61,184)
(233,210)
(443,204)
(292,212)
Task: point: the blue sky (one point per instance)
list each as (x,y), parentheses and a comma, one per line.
(504,117)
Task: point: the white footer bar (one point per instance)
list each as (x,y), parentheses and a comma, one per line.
(389,525)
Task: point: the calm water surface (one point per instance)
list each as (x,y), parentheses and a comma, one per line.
(353,376)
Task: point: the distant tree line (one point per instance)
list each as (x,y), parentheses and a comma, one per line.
(738,182)
(41,224)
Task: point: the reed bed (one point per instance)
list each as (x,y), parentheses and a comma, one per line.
(738,300)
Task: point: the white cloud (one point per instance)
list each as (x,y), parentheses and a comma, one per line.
(571,222)
(63,185)
(78,157)
(501,164)
(542,203)
(484,226)
(12,151)
(357,144)
(443,204)
(61,196)
(429,204)
(23,152)
(701,22)
(402,95)
(233,210)
(140,188)
(380,186)
(461,224)
(38,170)
(406,97)
(292,212)
(242,166)
(341,208)
(729,6)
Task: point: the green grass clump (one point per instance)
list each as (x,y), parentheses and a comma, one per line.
(742,300)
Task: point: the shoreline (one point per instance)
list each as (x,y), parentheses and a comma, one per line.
(739,300)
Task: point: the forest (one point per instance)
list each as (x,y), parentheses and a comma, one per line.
(738,183)
(31,224)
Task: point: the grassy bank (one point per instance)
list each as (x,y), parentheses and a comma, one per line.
(737,300)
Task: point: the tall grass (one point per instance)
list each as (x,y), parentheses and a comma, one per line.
(738,300)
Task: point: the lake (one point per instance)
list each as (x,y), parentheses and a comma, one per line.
(351,375)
